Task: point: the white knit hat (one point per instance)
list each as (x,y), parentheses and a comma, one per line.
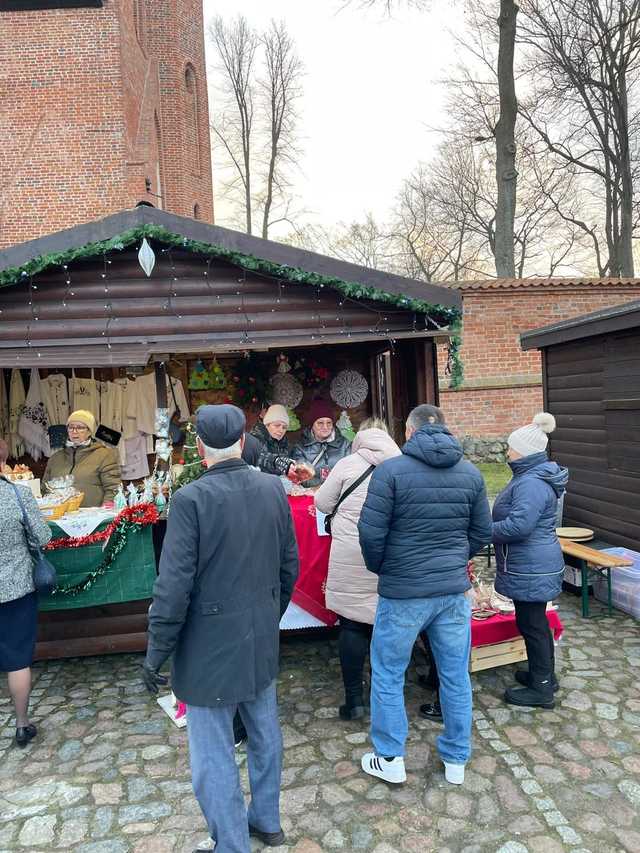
(533,437)
(276,413)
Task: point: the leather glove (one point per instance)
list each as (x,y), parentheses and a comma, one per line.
(152,679)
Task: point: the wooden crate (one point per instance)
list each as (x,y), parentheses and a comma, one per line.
(497,654)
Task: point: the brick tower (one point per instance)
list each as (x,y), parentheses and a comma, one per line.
(103,104)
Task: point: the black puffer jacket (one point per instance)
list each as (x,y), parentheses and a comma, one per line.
(324,454)
(425,514)
(274,456)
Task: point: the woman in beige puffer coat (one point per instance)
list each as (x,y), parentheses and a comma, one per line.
(351,590)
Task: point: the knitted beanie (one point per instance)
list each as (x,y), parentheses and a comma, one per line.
(82,416)
(274,413)
(533,437)
(320,408)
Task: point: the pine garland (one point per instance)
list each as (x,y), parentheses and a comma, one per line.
(438,315)
(442,315)
(455,367)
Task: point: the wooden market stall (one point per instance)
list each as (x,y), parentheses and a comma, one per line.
(144,291)
(591,382)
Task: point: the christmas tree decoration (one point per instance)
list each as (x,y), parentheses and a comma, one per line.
(345,426)
(217,377)
(192,463)
(349,389)
(199,379)
(120,499)
(294,421)
(286,390)
(146,257)
(251,388)
(133,498)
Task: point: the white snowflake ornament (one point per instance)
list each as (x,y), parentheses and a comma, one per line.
(349,389)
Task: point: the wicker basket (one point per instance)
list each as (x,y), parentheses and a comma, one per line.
(75,502)
(52,512)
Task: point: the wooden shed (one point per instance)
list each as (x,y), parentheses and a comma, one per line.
(591,383)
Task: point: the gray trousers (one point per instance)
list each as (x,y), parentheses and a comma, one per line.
(214,772)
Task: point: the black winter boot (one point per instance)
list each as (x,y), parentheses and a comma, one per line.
(523,676)
(353,709)
(538,694)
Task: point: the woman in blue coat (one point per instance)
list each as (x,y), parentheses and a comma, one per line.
(529,560)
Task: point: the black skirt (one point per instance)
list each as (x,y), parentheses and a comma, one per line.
(18,626)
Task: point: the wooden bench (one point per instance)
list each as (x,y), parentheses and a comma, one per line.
(586,558)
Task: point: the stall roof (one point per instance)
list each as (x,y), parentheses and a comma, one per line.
(47,319)
(612,319)
(23,255)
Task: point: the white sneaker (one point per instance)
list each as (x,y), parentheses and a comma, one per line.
(454,773)
(390,771)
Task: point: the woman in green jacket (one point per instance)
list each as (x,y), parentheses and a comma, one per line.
(94,466)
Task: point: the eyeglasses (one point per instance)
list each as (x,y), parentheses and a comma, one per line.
(76,428)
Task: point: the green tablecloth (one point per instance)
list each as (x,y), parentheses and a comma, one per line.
(129,578)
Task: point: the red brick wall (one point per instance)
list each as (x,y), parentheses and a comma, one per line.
(92,106)
(502,384)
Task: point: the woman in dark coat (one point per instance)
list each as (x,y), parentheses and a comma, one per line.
(529,560)
(18,599)
(321,445)
(271,432)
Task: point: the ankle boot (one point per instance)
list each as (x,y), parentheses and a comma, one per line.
(353,709)
(539,694)
(523,676)
(25,734)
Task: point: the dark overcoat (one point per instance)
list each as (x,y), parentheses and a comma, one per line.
(227,570)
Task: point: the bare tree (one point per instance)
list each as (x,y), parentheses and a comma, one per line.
(236,45)
(440,220)
(281,90)
(583,60)
(260,87)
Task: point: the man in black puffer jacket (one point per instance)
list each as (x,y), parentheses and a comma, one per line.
(425,515)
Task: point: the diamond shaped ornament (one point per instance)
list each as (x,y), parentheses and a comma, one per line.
(146,257)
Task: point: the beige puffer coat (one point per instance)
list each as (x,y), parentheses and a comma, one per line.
(352,590)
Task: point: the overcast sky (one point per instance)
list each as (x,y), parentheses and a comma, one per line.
(370,96)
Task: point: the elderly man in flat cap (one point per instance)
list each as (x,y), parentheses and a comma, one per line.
(228,566)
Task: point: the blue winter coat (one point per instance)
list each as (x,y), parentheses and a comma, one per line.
(530,565)
(425,514)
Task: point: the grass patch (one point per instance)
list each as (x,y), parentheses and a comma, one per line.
(496,476)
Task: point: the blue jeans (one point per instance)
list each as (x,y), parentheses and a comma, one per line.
(214,772)
(447,621)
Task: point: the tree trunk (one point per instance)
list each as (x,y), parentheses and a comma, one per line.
(247,187)
(506,175)
(625,251)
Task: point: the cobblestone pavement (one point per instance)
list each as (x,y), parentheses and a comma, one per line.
(110,774)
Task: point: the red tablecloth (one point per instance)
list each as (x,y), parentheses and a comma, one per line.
(308,592)
(503,627)
(314,563)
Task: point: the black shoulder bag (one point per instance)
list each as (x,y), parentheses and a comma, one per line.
(344,495)
(44,573)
